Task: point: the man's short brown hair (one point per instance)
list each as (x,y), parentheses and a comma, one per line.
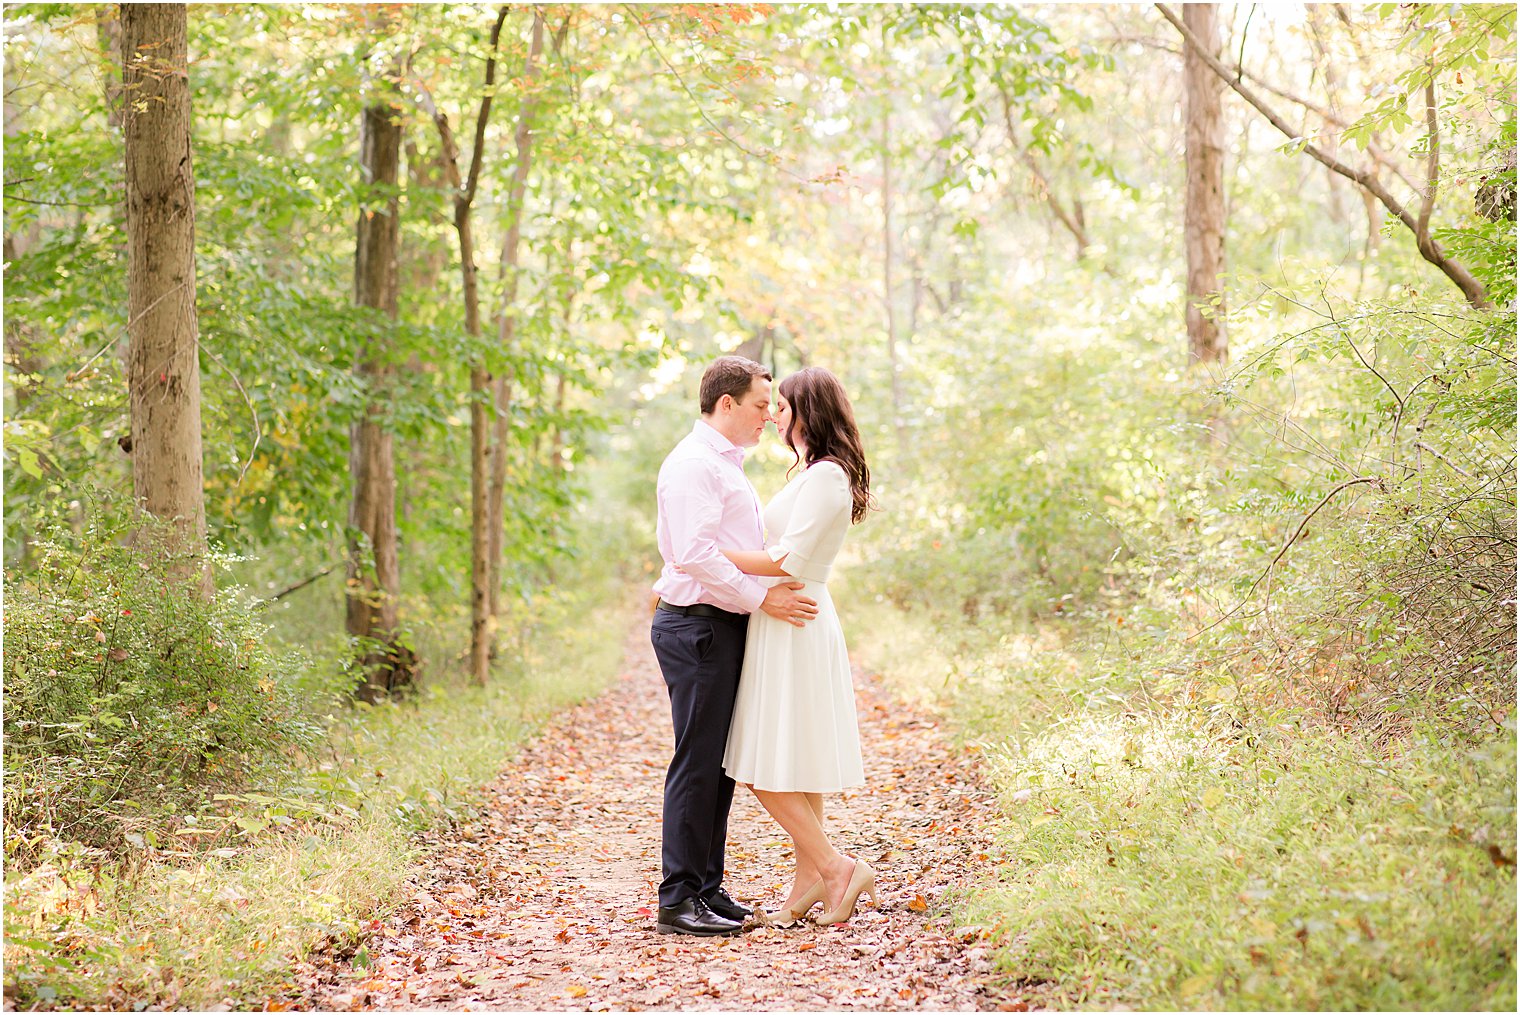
(729,375)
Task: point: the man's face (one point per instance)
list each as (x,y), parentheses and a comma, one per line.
(749,414)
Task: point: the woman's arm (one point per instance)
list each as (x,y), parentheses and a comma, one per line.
(755,562)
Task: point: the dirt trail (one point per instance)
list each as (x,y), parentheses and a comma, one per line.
(546,903)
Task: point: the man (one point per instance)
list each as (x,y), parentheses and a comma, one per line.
(705,503)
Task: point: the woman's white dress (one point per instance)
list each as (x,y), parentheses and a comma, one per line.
(794,723)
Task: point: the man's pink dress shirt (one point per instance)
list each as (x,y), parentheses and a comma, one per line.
(705,502)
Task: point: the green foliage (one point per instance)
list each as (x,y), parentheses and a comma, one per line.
(1165,861)
(1113,549)
(1173,840)
(128,697)
(312,857)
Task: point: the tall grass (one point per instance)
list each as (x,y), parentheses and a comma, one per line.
(1188,851)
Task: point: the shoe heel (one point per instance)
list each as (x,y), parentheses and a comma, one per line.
(859,885)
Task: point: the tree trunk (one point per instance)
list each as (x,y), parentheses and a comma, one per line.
(481,621)
(506,322)
(1204,216)
(374,570)
(1416,223)
(164,379)
(482,626)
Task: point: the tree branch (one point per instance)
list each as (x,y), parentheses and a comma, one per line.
(1291,540)
(477,154)
(264,603)
(769,158)
(445,138)
(1428,247)
(1074,227)
(258,431)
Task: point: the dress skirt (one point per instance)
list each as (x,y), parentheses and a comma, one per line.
(794,726)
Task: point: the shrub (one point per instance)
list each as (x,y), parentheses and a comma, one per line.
(129,697)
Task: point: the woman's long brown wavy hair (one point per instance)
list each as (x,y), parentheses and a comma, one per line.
(822,409)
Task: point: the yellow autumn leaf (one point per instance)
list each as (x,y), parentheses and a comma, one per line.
(576,990)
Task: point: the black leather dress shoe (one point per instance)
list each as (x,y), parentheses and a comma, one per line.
(693,917)
(723,904)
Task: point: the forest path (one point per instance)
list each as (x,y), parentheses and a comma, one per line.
(547,901)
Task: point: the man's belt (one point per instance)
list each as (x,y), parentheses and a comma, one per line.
(703,610)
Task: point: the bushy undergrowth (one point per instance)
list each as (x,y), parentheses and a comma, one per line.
(312,857)
(1174,860)
(1174,839)
(192,799)
(129,698)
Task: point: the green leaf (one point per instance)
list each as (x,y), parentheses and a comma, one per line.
(30,464)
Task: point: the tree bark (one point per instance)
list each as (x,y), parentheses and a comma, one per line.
(374,569)
(1204,212)
(506,322)
(482,626)
(1429,249)
(164,380)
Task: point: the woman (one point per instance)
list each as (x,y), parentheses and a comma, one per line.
(793,736)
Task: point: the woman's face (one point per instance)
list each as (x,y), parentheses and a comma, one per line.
(783,419)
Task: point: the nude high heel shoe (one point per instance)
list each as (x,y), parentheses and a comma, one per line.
(788,916)
(862,882)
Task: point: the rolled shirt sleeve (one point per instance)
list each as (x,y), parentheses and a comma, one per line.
(815,529)
(693,508)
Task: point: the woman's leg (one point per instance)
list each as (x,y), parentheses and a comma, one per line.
(807,872)
(815,801)
(816,856)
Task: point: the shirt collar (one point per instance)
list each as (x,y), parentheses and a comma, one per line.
(708,435)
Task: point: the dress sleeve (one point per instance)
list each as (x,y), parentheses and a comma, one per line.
(823,495)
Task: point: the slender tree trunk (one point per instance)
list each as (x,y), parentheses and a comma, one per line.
(164,379)
(1417,222)
(374,569)
(482,625)
(506,322)
(481,622)
(1204,216)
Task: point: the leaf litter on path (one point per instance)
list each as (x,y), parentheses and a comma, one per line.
(547,900)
